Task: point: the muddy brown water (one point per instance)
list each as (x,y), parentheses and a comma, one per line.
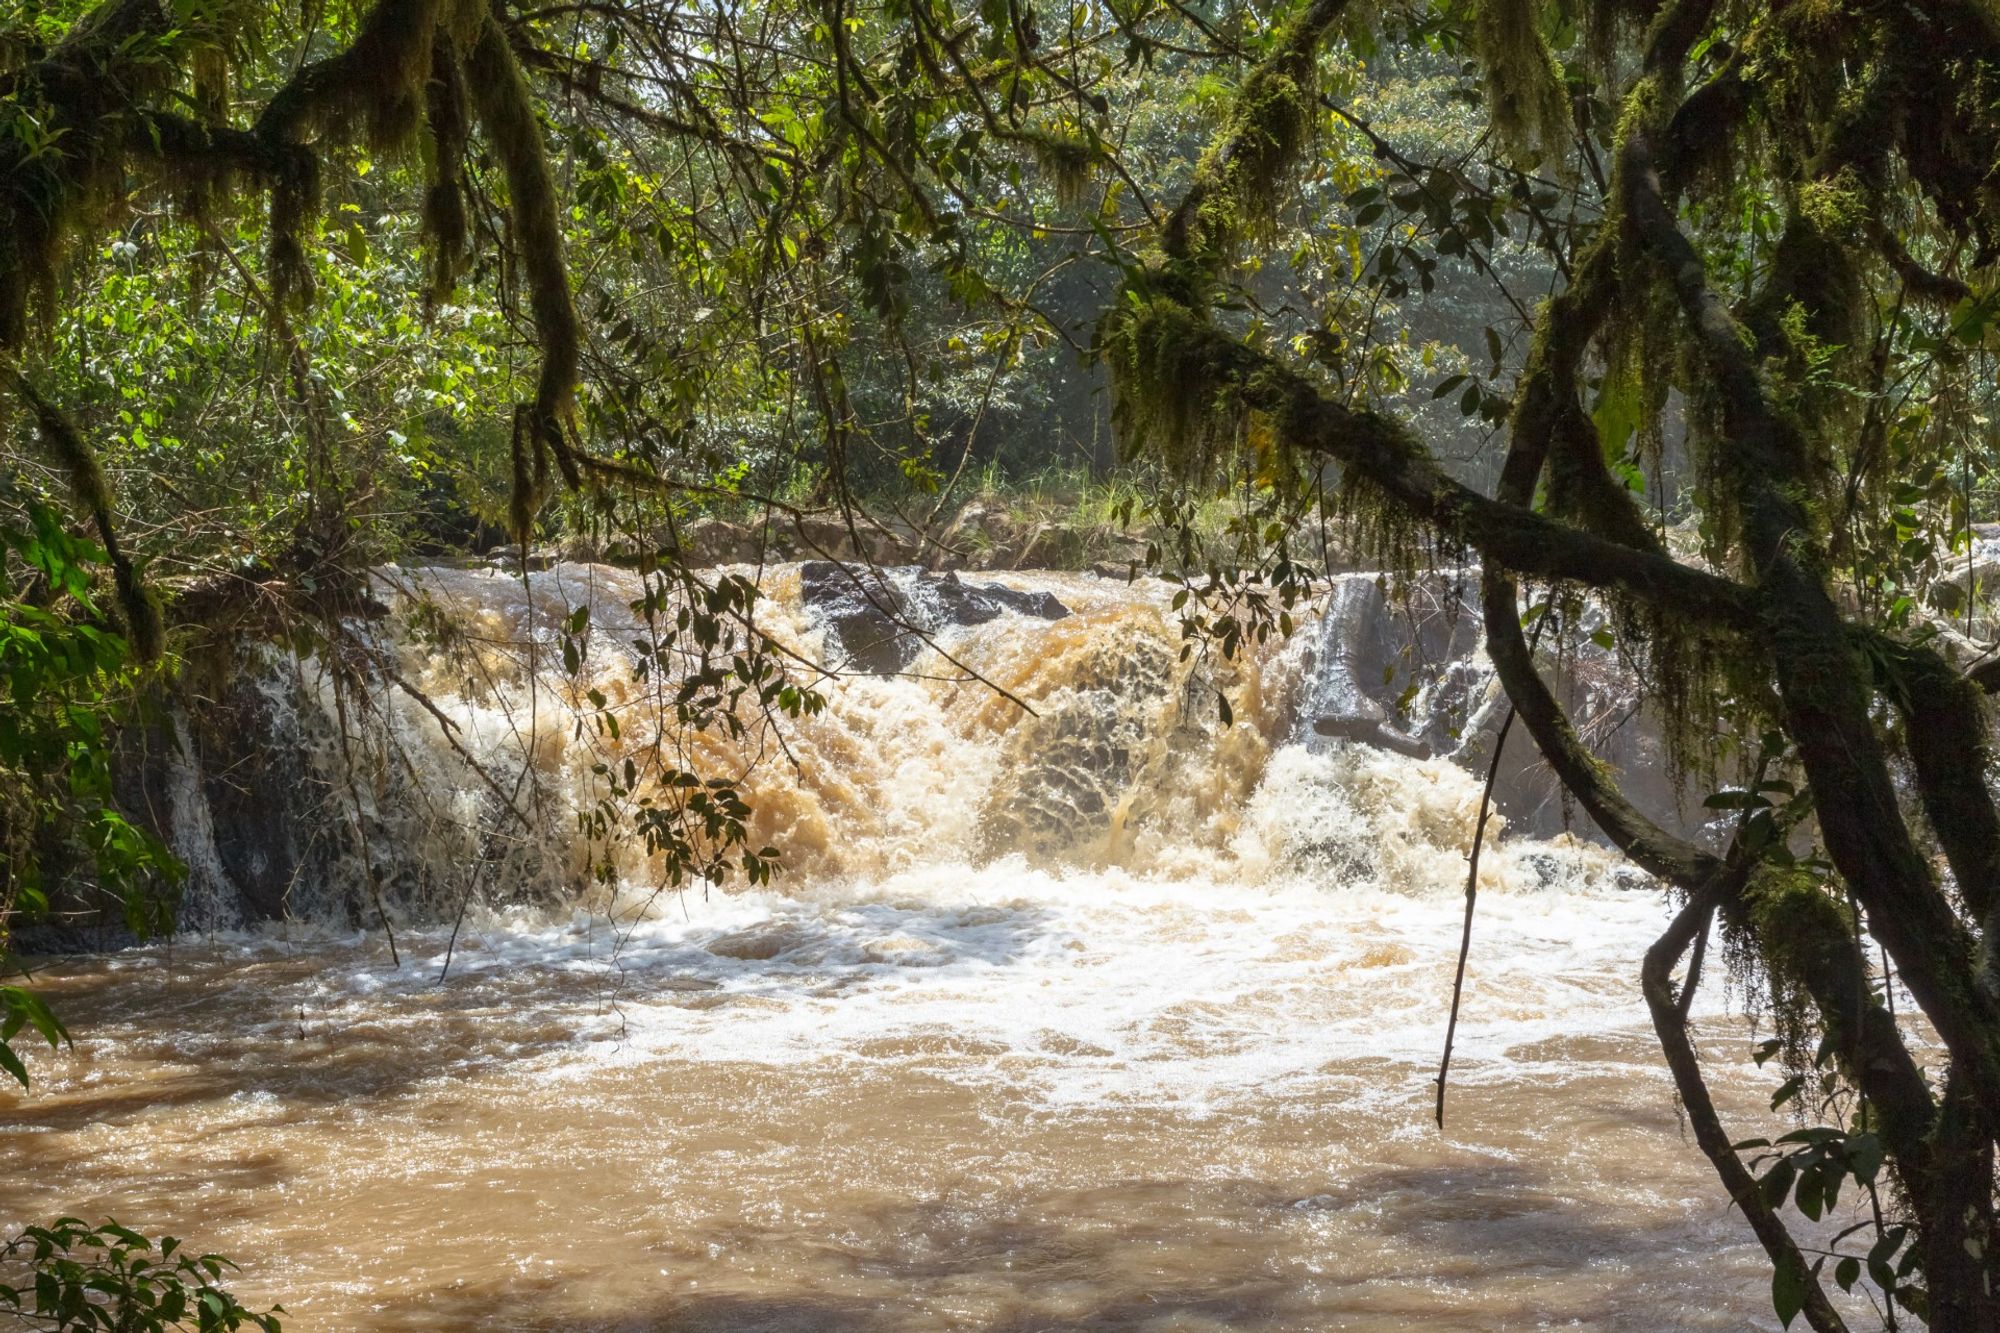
(548,1145)
(1106,1016)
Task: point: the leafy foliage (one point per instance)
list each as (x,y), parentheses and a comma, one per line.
(66,682)
(111,1278)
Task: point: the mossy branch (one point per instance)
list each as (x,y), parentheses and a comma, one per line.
(1651,847)
(507,113)
(1946,731)
(1824,692)
(1237,182)
(1173,369)
(87,483)
(378,80)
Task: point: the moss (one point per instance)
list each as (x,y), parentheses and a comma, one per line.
(1799,933)
(1271,123)
(529,483)
(1525,93)
(1835,204)
(295,195)
(507,114)
(1067,158)
(446,227)
(1814,269)
(377,84)
(1239,182)
(1169,400)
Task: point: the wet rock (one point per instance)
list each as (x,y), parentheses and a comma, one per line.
(863,614)
(219,777)
(1406,673)
(761,943)
(877,619)
(1389,675)
(956,602)
(1367,725)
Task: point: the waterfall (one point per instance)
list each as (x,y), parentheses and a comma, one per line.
(1059,718)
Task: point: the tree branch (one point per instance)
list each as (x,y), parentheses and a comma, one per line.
(1824,696)
(1655,980)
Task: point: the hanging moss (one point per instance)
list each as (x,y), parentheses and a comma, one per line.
(530,487)
(507,114)
(1169,400)
(447,119)
(1525,93)
(1238,183)
(61,157)
(377,83)
(295,196)
(1269,127)
(1067,159)
(1787,927)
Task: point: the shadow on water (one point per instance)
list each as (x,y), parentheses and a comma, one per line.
(1537,1261)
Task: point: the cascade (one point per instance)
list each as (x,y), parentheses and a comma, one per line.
(1051,717)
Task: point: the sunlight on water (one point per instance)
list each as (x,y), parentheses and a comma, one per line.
(1106,1017)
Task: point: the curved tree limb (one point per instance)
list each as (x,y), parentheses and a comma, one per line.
(1383,452)
(66,445)
(1821,687)
(1656,982)
(1946,732)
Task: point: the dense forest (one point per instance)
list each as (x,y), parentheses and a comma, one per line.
(1667,330)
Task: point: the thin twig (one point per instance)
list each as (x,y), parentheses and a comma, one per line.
(1471,899)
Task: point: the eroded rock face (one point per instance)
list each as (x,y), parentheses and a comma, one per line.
(1396,676)
(1408,674)
(875,621)
(220,777)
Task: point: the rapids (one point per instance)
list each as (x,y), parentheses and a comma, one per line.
(1100,1015)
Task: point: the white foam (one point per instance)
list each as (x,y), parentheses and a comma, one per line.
(1185,912)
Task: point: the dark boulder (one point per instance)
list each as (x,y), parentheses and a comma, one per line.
(951,601)
(876,621)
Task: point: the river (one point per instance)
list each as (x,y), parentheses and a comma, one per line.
(1107,1016)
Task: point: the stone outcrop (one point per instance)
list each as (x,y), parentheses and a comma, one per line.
(877,621)
(1406,674)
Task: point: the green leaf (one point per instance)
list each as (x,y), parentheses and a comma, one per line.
(23,1005)
(11,1062)
(1777,1182)
(1788,1289)
(1864,1156)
